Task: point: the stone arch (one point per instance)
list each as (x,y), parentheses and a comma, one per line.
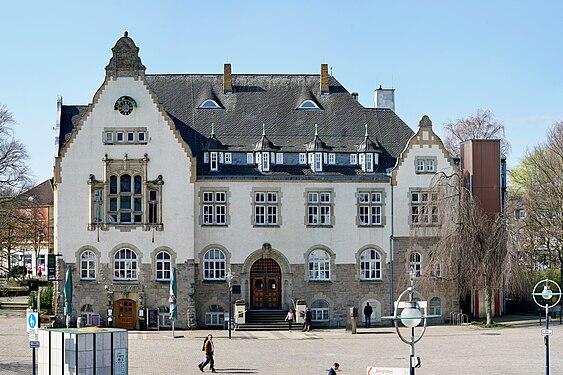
(375,304)
(266,252)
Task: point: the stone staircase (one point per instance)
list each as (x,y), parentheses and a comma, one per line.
(265,320)
(14,303)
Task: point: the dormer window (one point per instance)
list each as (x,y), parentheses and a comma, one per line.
(213,161)
(308,104)
(263,161)
(209,104)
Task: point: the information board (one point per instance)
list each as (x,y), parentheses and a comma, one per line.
(120,365)
(387,371)
(51,267)
(153,318)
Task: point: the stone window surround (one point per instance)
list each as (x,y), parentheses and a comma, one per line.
(409,197)
(382,204)
(425,159)
(383,260)
(114,251)
(331,204)
(79,252)
(214,189)
(278,205)
(332,264)
(124,131)
(153,255)
(201,259)
(409,263)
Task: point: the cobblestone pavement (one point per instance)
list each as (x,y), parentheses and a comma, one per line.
(444,350)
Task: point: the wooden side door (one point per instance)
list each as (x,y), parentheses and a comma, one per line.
(272,294)
(125,314)
(258,291)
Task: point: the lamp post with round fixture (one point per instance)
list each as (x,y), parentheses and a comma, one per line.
(412,313)
(549,299)
(230,276)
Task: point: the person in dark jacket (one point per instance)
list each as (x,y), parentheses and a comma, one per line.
(209,350)
(368,310)
(308,320)
(332,370)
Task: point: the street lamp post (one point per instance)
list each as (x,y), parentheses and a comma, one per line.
(230,276)
(413,312)
(549,300)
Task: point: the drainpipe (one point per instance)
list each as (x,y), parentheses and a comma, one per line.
(391,307)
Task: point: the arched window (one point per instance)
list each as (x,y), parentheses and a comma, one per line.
(125,265)
(88,316)
(214,265)
(125,199)
(164,316)
(370,265)
(209,104)
(415,263)
(319,265)
(435,306)
(320,310)
(163,266)
(88,265)
(215,316)
(308,104)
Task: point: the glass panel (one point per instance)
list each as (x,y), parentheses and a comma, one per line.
(125,183)
(258,284)
(113,204)
(113,185)
(138,204)
(138,184)
(125,202)
(125,217)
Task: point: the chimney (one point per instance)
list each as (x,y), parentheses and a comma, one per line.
(324,79)
(385,98)
(227,79)
(355,95)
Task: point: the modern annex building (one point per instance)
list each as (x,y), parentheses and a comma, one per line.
(285,179)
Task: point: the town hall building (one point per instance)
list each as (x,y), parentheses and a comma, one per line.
(284,180)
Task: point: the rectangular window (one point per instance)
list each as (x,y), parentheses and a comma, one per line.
(302,158)
(369,162)
(141,137)
(370,208)
(319,208)
(424,209)
(214,208)
(109,137)
(153,207)
(426,165)
(214,164)
(249,158)
(353,159)
(331,158)
(318,162)
(228,158)
(130,137)
(266,161)
(266,208)
(119,136)
(98,209)
(430,165)
(279,158)
(206,157)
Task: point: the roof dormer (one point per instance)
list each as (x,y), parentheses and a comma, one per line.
(209,104)
(317,152)
(368,152)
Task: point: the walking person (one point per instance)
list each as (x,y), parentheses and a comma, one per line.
(368,310)
(308,320)
(290,318)
(332,370)
(209,350)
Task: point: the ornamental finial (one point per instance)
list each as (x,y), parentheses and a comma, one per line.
(212,128)
(126,34)
(366,125)
(316,129)
(263,129)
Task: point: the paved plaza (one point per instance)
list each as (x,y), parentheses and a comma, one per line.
(444,350)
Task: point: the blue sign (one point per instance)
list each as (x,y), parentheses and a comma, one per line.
(32,322)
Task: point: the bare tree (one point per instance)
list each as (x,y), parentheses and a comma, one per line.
(481,125)
(472,246)
(538,182)
(14,179)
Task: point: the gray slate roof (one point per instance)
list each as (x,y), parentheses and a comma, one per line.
(271,99)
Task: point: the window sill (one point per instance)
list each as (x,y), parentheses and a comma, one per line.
(214,225)
(376,281)
(425,172)
(319,226)
(88,280)
(266,225)
(126,281)
(371,226)
(320,281)
(218,281)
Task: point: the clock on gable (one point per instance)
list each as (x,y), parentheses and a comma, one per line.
(125,105)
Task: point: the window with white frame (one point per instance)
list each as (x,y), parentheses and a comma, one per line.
(353,159)
(424,209)
(319,208)
(153,214)
(308,104)
(119,136)
(318,165)
(370,265)
(130,137)
(214,207)
(266,208)
(319,265)
(109,137)
(87,265)
(250,158)
(437,272)
(415,263)
(163,266)
(86,313)
(302,158)
(213,161)
(125,136)
(125,265)
(209,104)
(435,306)
(279,158)
(370,208)
(215,316)
(214,265)
(98,206)
(164,316)
(425,165)
(228,158)
(141,137)
(125,199)
(320,310)
(331,158)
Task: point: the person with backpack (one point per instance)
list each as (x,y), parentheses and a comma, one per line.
(209,350)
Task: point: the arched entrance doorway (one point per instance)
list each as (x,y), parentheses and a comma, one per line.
(124,313)
(265,285)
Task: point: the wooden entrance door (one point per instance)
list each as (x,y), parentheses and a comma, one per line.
(124,311)
(265,277)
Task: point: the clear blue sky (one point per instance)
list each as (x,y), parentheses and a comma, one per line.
(444,58)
